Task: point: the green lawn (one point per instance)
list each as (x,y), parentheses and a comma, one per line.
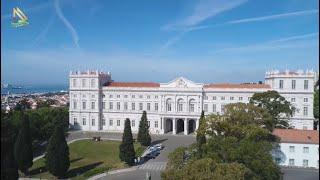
(87,158)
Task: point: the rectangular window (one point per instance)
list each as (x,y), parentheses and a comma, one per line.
(125,96)
(111,105)
(93,122)
(281,84)
(133,106)
(75,121)
(84,83)
(118,105)
(83,105)
(103,122)
(140,106)
(103,96)
(205,97)
(103,105)
(148,106)
(305,99)
(291,148)
(156,124)
(110,122)
(118,122)
(305,163)
(214,108)
(223,98)
(74,104)
(110,96)
(74,82)
(214,98)
(293,99)
(133,96)
(222,108)
(305,149)
(118,96)
(141,96)
(305,85)
(293,84)
(93,83)
(133,123)
(291,162)
(180,107)
(191,107)
(84,121)
(305,111)
(156,97)
(93,105)
(156,106)
(125,106)
(240,98)
(148,97)
(231,98)
(205,107)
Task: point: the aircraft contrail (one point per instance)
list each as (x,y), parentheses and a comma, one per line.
(72,30)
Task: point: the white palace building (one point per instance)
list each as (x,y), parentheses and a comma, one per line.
(97,103)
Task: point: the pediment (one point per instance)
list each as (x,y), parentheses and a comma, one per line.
(181,82)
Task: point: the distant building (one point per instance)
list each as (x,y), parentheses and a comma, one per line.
(97,103)
(297,148)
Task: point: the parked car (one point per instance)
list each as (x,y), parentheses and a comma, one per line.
(153,154)
(159,146)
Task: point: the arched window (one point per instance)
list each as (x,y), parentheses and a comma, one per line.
(169,104)
(192,103)
(180,105)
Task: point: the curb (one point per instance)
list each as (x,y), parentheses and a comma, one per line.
(113,172)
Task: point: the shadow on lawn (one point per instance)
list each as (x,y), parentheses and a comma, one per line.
(44,169)
(80,170)
(158,141)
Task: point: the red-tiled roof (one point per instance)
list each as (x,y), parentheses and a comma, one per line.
(297,136)
(133,84)
(241,86)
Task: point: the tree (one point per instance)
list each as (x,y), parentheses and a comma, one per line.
(277,106)
(57,156)
(9,168)
(238,147)
(126,148)
(23,146)
(201,138)
(143,133)
(22,105)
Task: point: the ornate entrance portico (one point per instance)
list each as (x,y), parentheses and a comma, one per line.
(179,125)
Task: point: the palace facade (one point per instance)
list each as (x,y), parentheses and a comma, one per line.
(97,103)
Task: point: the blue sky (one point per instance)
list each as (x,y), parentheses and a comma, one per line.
(143,40)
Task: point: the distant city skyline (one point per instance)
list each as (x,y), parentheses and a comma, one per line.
(208,41)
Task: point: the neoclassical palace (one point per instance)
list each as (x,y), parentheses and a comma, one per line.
(97,103)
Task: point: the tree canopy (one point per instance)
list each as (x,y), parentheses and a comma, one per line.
(57,155)
(126,147)
(277,106)
(143,133)
(23,146)
(238,147)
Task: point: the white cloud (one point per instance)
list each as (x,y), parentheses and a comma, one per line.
(65,21)
(204,10)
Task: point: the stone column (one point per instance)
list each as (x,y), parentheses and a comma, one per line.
(185,126)
(197,123)
(174,129)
